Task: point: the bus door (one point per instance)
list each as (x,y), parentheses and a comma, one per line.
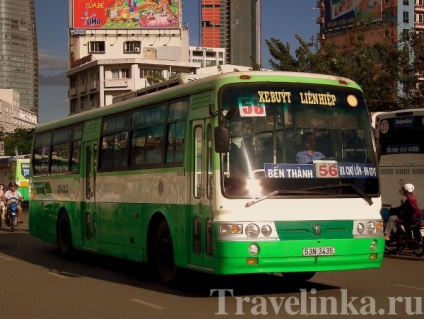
(201,193)
(88,205)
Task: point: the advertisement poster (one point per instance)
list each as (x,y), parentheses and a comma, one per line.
(126,14)
(343,13)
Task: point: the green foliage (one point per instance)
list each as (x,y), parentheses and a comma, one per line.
(155,78)
(20,140)
(386,72)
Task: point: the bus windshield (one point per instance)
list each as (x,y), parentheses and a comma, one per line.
(272,128)
(401,135)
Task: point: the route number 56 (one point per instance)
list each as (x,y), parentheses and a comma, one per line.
(251,107)
(326,169)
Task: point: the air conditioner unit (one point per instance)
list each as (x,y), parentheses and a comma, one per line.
(136,49)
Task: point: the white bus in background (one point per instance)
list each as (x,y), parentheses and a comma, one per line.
(399,139)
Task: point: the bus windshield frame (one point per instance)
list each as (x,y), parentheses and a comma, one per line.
(266,129)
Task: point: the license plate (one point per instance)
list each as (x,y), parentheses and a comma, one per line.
(319,251)
(422,232)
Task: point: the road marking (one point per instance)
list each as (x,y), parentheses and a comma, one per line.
(411,287)
(148,304)
(62,274)
(57,275)
(5,258)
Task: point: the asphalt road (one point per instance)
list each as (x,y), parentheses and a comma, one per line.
(36,283)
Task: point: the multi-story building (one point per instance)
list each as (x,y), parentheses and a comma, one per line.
(234,25)
(12,116)
(19,56)
(207,56)
(122,46)
(386,19)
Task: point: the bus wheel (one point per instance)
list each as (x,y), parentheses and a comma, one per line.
(298,277)
(164,255)
(64,236)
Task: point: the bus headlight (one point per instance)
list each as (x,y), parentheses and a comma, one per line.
(252,230)
(253,249)
(360,228)
(231,229)
(370,228)
(373,246)
(266,230)
(247,230)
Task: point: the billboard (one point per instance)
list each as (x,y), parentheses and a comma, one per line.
(126,14)
(342,14)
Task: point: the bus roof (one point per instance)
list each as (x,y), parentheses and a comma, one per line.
(201,84)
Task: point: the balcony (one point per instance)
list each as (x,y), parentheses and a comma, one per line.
(82,88)
(92,85)
(419,25)
(116,83)
(73,91)
(419,8)
(320,20)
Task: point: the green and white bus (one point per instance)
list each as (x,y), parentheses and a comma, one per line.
(400,146)
(16,168)
(203,176)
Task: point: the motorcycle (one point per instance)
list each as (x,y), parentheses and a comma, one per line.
(407,237)
(12,213)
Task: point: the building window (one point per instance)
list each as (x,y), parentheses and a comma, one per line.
(125,73)
(406,2)
(132,46)
(405,34)
(82,102)
(115,74)
(145,73)
(405,17)
(97,46)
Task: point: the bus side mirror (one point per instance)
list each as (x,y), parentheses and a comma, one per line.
(222,139)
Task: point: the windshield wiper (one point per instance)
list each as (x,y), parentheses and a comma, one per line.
(285,192)
(350,185)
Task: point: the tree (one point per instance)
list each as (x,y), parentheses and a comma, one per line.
(386,72)
(19,141)
(282,59)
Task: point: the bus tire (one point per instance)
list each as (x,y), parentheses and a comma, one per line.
(298,277)
(164,255)
(64,236)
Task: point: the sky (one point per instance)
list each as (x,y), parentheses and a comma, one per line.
(281,19)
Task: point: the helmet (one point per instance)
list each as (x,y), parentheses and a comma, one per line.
(12,184)
(409,187)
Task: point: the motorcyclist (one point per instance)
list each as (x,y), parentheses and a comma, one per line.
(12,192)
(405,213)
(2,205)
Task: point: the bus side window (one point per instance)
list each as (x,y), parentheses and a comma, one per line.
(106,152)
(120,150)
